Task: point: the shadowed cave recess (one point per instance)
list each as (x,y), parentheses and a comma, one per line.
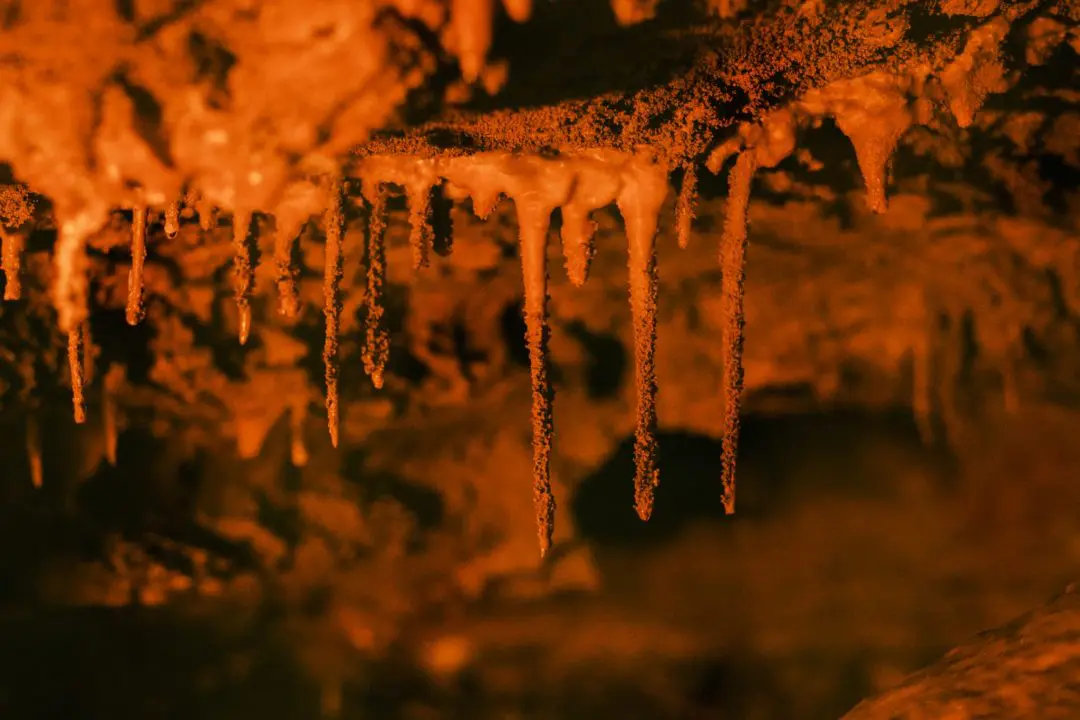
(539,358)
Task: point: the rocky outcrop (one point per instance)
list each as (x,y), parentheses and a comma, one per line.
(1027,668)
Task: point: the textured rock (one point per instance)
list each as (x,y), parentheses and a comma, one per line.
(1027,668)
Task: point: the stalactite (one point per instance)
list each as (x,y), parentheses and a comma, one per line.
(533,222)
(577,240)
(485,200)
(300,201)
(78,377)
(13,245)
(334,227)
(537,187)
(207,216)
(685,206)
(138,258)
(578,184)
(977,72)
(298,452)
(442,222)
(243,271)
(33,451)
(377,340)
(733,265)
(644,189)
(596,187)
(421,233)
(286,238)
(874,111)
(518,10)
(632,12)
(471,21)
(419,178)
(71,287)
(874,145)
(172,220)
(108,417)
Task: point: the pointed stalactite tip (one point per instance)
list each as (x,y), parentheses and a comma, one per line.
(11,259)
(287,271)
(33,452)
(733,266)
(243,271)
(376,338)
(333,221)
(78,374)
(172,220)
(298,452)
(244,323)
(134,310)
(533,222)
(207,215)
(110,385)
(685,207)
(640,201)
(421,233)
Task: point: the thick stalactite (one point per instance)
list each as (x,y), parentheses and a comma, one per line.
(640,200)
(533,218)
(71,287)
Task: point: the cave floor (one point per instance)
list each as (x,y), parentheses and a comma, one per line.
(799,614)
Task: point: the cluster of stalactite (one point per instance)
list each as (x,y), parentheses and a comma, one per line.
(873,111)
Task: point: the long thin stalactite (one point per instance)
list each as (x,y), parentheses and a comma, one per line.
(533,221)
(134,311)
(733,265)
(334,226)
(376,337)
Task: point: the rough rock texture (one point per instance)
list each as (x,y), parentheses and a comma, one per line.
(1027,668)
